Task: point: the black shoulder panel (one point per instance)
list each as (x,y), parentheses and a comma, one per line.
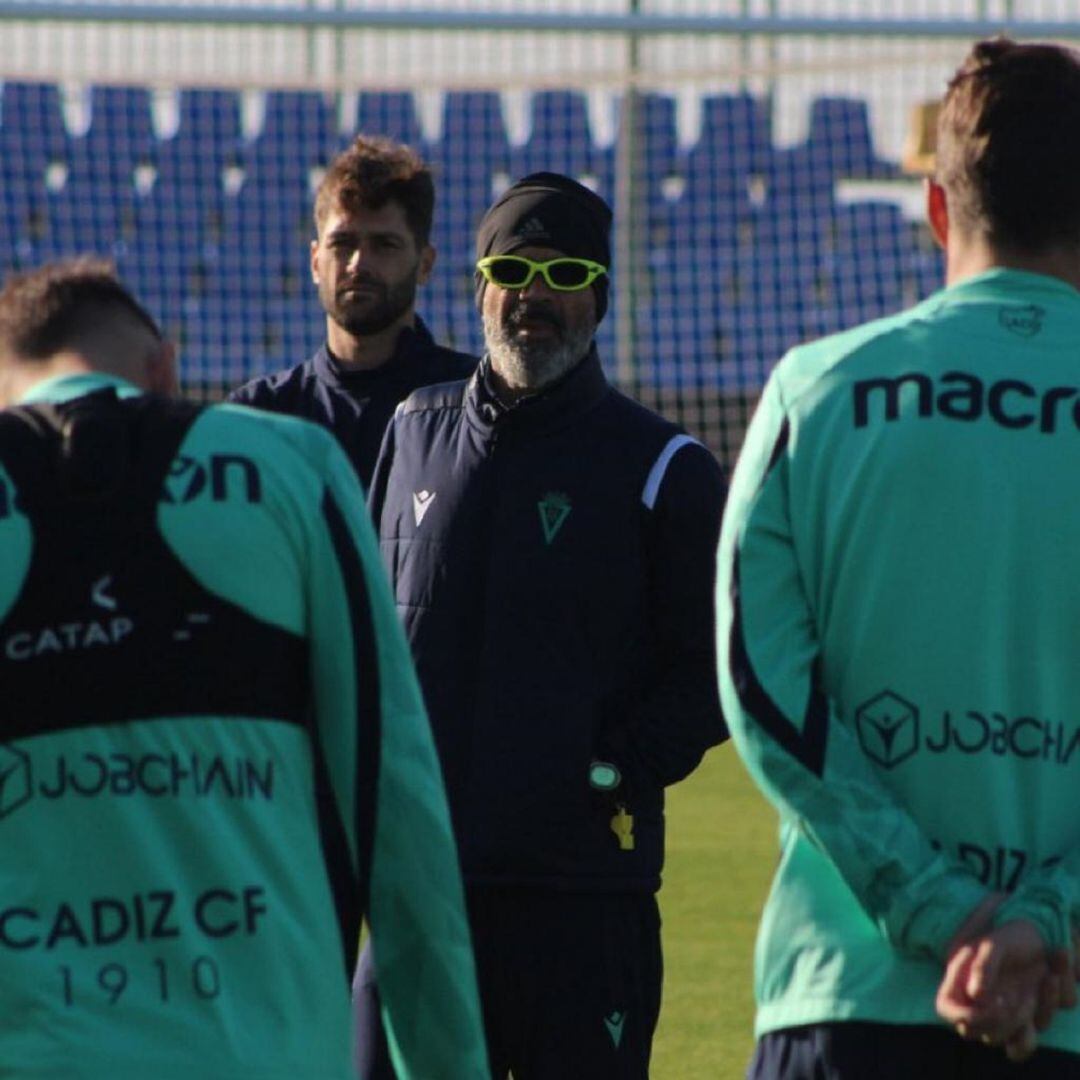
(109,625)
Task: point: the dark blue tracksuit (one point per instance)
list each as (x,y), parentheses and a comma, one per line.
(356,405)
(553,564)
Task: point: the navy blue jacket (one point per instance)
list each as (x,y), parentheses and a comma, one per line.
(356,405)
(553,563)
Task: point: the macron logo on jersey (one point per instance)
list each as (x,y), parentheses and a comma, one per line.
(421,501)
(958,395)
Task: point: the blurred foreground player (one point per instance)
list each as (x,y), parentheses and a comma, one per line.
(898,606)
(194,627)
(373,214)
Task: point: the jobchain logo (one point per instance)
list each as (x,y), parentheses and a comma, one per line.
(888,728)
(15,779)
(91,775)
(891,731)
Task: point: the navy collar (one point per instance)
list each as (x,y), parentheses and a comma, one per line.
(578,391)
(412,346)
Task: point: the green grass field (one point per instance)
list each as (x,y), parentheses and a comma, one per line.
(721,851)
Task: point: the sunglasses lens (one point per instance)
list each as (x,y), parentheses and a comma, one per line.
(568,274)
(508,273)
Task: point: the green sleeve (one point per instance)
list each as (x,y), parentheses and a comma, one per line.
(803,755)
(420,936)
(1050,898)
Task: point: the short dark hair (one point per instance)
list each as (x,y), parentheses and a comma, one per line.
(373,171)
(1007,148)
(61,304)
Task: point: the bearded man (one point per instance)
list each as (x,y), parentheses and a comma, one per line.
(373,214)
(551,544)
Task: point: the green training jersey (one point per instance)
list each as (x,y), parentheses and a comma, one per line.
(180,881)
(898,600)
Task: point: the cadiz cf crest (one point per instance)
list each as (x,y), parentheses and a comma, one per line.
(554,509)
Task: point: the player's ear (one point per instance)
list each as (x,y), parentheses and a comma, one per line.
(315,260)
(7,386)
(161,376)
(937,212)
(427,263)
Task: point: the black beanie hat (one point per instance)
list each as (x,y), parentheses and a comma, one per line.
(547,209)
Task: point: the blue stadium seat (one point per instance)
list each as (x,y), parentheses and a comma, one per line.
(121,133)
(86,217)
(446,303)
(32,130)
(677,344)
(927,270)
(471,154)
(267,217)
(95,210)
(799,227)
(228,334)
(167,287)
(839,146)
(675,317)
(658,154)
(606,341)
(870,272)
(32,137)
(187,207)
(299,133)
(391,113)
(265,262)
(752,254)
(840,141)
(207,140)
(874,224)
(733,152)
(231,327)
(560,139)
(859,286)
(214,336)
(765,306)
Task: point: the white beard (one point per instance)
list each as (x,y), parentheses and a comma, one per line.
(529,367)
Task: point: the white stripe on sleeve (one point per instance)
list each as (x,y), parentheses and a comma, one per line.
(656,473)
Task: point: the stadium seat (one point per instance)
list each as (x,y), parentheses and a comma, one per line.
(390,114)
(32,138)
(870,273)
(732,155)
(767,304)
(299,133)
(560,139)
(927,271)
(32,127)
(840,141)
(659,159)
(207,140)
(187,207)
(470,157)
(676,317)
(121,133)
(746,249)
(838,146)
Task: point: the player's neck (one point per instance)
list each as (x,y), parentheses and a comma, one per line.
(18,378)
(977,255)
(370,351)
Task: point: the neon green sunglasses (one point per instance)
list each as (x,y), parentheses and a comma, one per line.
(562,275)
